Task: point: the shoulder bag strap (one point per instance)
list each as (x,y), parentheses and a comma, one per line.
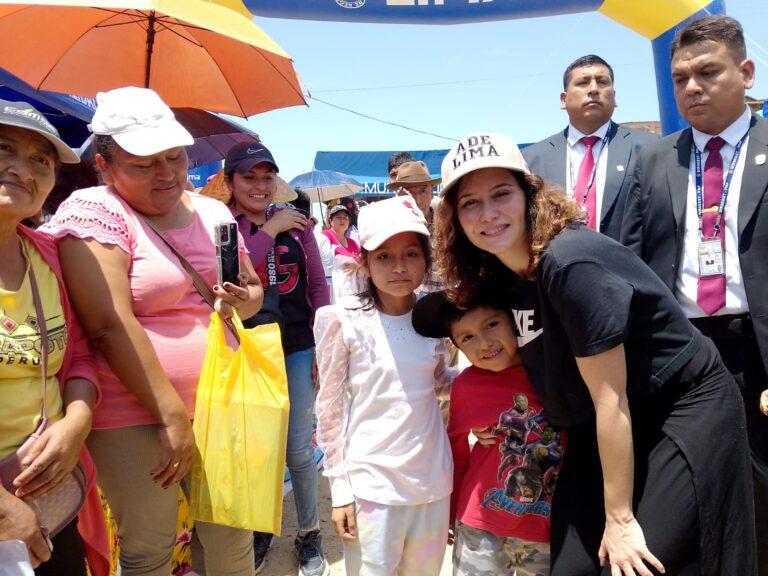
(200,284)
(43,328)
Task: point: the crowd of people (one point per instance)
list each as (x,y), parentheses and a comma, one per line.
(559,365)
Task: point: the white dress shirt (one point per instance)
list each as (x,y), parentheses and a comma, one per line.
(575,152)
(686,285)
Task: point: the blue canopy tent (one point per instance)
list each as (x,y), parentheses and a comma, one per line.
(370,168)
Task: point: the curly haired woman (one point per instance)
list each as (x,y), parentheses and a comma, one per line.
(657,476)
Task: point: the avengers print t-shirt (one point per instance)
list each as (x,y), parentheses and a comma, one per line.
(505,489)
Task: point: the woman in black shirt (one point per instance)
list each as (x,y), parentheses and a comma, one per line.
(656,475)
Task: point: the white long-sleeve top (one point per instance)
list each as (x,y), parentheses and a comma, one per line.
(378,419)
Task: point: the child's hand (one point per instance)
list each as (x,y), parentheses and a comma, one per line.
(764,402)
(485,436)
(345,522)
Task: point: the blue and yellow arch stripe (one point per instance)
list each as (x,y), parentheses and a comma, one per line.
(657,20)
(651,18)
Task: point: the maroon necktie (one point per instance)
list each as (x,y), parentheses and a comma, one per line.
(585,171)
(710,295)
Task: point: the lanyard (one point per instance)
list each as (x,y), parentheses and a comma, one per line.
(726,185)
(592,174)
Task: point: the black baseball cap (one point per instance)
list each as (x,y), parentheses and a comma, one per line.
(24,115)
(434,314)
(245,155)
(430,317)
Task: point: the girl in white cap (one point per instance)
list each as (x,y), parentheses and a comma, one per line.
(387,454)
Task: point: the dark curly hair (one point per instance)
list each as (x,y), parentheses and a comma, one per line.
(464,266)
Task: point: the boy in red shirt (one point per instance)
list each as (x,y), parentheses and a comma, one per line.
(502,494)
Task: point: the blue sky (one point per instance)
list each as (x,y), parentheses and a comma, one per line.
(500,76)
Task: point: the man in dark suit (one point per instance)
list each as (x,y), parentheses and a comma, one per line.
(697,213)
(598,181)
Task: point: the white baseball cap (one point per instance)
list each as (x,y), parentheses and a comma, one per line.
(139,121)
(379,221)
(481,150)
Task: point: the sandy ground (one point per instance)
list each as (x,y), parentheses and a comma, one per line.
(282,559)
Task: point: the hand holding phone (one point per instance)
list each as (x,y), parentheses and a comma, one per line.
(227,253)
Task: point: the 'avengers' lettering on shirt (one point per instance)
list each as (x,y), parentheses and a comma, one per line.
(531,453)
(495,499)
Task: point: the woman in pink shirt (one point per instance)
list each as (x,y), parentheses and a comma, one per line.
(338,220)
(148,323)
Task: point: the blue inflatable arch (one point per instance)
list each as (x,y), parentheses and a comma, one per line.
(657,20)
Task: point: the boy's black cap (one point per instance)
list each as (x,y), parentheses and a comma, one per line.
(245,155)
(434,314)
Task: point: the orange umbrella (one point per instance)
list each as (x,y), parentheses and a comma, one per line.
(193,53)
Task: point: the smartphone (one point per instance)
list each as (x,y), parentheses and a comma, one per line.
(227,253)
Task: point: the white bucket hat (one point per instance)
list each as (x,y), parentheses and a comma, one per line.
(139,121)
(379,221)
(480,150)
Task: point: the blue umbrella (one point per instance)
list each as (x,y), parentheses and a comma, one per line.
(69,114)
(324,185)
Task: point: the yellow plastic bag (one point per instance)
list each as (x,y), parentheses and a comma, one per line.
(241,429)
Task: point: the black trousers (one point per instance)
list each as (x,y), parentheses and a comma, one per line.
(741,357)
(692,492)
(665,506)
(68,557)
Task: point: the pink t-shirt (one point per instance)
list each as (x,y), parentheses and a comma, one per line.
(165,302)
(352,250)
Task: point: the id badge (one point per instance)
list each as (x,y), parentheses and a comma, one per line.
(711,258)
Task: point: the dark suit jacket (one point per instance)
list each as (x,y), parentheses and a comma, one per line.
(654,217)
(547,159)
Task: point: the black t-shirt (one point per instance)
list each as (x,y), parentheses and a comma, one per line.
(292,284)
(592,294)
(283,275)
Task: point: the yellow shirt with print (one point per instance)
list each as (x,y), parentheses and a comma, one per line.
(20,370)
